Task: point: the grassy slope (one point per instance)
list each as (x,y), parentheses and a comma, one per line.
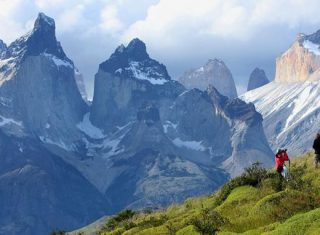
(294,208)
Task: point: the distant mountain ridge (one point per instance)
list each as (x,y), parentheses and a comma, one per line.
(214,73)
(290,104)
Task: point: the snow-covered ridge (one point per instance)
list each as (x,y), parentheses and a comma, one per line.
(311,47)
(149,75)
(290,112)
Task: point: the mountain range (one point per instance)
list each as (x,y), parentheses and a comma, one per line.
(145,141)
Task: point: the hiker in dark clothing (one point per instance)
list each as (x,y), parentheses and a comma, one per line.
(316,147)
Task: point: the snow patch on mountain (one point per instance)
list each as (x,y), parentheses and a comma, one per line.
(149,75)
(9,121)
(6,69)
(168,125)
(89,129)
(194,145)
(59,143)
(59,62)
(311,47)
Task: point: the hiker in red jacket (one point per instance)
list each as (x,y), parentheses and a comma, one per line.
(280,159)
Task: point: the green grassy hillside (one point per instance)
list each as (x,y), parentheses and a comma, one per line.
(257,202)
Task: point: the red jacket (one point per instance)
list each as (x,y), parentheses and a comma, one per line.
(281,158)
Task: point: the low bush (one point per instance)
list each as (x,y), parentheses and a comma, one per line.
(207,222)
(121,219)
(252,175)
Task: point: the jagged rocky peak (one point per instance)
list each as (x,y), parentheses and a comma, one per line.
(42,39)
(133,61)
(235,109)
(257,79)
(214,72)
(36,64)
(45,23)
(301,62)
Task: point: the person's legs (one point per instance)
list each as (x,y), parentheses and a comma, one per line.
(317,160)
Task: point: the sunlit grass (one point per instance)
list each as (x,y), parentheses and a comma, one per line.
(270,207)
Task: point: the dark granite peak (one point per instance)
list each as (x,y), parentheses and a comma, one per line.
(42,39)
(133,59)
(137,50)
(257,79)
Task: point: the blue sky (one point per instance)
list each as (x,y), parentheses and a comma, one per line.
(182,34)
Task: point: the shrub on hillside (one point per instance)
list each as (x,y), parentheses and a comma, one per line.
(208,222)
(153,221)
(252,175)
(121,219)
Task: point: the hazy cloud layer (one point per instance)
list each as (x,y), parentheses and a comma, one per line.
(179,33)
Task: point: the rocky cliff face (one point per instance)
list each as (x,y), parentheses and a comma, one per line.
(301,62)
(127,80)
(3,49)
(40,105)
(162,133)
(40,192)
(214,73)
(257,79)
(38,85)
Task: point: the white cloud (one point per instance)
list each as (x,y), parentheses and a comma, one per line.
(10,26)
(70,18)
(49,4)
(179,33)
(110,20)
(171,20)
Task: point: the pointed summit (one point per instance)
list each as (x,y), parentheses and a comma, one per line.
(42,39)
(133,61)
(137,50)
(257,79)
(44,22)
